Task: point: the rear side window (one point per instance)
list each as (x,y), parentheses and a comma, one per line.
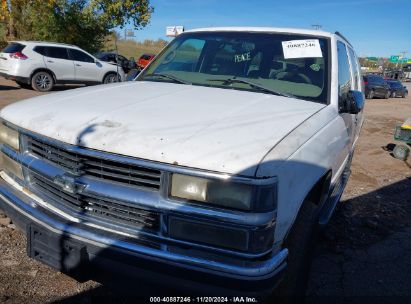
(77,55)
(42,50)
(344,75)
(13,47)
(57,52)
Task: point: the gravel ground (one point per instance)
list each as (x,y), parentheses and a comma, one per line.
(364,255)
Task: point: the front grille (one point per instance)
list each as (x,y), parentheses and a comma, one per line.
(117,212)
(102,169)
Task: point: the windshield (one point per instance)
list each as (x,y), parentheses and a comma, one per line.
(283,64)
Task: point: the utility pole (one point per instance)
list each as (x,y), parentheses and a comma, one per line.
(402,56)
(317,26)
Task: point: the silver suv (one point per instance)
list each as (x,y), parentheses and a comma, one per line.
(41,65)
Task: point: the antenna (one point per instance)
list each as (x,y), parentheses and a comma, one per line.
(317,26)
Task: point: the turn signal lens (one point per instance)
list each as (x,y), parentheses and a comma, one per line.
(10,166)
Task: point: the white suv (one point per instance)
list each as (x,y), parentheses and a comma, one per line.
(41,65)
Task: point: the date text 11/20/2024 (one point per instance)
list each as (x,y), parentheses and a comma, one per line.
(203,300)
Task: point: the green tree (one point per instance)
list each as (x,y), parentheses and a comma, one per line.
(81,22)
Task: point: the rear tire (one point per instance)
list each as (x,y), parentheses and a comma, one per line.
(300,243)
(42,81)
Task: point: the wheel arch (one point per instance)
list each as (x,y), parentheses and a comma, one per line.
(317,194)
(44,70)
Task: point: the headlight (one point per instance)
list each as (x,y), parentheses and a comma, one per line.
(224,193)
(9,137)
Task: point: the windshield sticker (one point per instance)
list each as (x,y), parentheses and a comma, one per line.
(242,57)
(309,48)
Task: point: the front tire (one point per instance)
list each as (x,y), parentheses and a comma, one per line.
(111,78)
(387,95)
(42,81)
(300,242)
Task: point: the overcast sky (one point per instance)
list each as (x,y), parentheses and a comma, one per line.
(374,27)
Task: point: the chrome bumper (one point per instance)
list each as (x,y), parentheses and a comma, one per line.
(24,209)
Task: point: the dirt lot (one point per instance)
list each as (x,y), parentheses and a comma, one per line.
(364,253)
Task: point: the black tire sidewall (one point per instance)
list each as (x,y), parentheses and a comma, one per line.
(301,243)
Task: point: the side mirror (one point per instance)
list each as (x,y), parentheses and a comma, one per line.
(353,103)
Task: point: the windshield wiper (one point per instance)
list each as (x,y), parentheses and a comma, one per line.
(167,76)
(230,81)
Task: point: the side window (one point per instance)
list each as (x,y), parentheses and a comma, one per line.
(354,67)
(57,52)
(344,75)
(42,50)
(77,55)
(13,47)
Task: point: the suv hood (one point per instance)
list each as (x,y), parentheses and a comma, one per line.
(215,129)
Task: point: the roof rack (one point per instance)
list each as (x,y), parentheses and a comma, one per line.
(46,42)
(342,36)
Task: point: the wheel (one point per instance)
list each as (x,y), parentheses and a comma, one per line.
(111,78)
(370,94)
(42,81)
(404,95)
(401,152)
(387,95)
(394,94)
(300,243)
(24,85)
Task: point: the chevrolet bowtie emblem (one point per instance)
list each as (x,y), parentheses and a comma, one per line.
(69,184)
